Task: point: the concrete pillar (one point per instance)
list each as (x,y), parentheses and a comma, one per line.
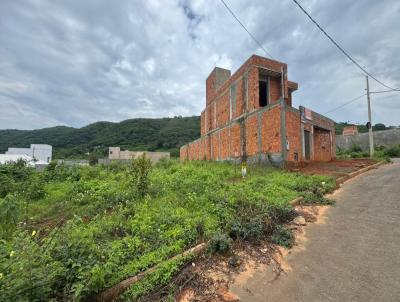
(283,129)
(259,135)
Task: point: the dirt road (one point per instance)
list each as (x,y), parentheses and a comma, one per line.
(354,255)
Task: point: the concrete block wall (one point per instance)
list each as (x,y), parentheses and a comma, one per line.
(387,138)
(115,153)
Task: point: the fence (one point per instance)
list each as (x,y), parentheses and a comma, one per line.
(385,138)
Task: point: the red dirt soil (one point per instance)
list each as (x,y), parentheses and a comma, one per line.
(335,168)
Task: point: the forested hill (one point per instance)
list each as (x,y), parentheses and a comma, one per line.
(165,134)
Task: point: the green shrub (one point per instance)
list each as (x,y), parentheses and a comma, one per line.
(160,277)
(283,237)
(29,273)
(381,152)
(6,185)
(139,172)
(61,172)
(95,236)
(10,211)
(93,159)
(35,189)
(355,148)
(220,243)
(393,151)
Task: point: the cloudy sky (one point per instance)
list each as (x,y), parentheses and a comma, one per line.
(76,62)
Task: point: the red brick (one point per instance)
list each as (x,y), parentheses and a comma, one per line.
(228,119)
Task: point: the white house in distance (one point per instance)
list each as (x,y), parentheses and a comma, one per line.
(13,158)
(115,153)
(39,152)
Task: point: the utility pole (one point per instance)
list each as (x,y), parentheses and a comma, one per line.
(371,137)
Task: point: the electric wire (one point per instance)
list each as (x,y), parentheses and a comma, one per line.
(346,103)
(341,48)
(244,27)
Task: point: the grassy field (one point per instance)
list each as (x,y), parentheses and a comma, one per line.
(71,232)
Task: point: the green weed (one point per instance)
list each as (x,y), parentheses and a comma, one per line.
(98,225)
(283,237)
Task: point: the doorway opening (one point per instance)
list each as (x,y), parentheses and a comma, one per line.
(307,146)
(263,89)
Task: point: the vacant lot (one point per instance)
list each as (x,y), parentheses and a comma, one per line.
(69,232)
(335,168)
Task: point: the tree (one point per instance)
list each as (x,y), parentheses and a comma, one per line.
(379,126)
(93,159)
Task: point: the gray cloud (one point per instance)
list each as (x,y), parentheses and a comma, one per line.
(77,62)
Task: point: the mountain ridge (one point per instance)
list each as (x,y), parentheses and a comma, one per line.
(158,134)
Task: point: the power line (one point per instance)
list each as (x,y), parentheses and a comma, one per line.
(344,104)
(341,49)
(244,27)
(384,91)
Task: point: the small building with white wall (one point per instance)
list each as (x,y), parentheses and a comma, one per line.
(115,153)
(13,158)
(39,152)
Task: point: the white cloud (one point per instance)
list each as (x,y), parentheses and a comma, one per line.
(76,62)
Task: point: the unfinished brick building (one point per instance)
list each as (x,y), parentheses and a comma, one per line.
(249,116)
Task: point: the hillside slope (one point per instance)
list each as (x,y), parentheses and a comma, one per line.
(135,134)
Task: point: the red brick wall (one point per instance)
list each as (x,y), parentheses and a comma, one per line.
(322,122)
(209,118)
(214,145)
(350,130)
(221,96)
(275,89)
(322,145)
(253,93)
(239,108)
(333,146)
(190,152)
(293,135)
(183,153)
(251,135)
(271,130)
(207,147)
(224,145)
(235,140)
(223,109)
(202,123)
(210,88)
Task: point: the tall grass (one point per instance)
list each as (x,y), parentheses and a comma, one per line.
(91,227)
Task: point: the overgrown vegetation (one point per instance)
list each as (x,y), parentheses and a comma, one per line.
(165,134)
(283,237)
(381,152)
(69,232)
